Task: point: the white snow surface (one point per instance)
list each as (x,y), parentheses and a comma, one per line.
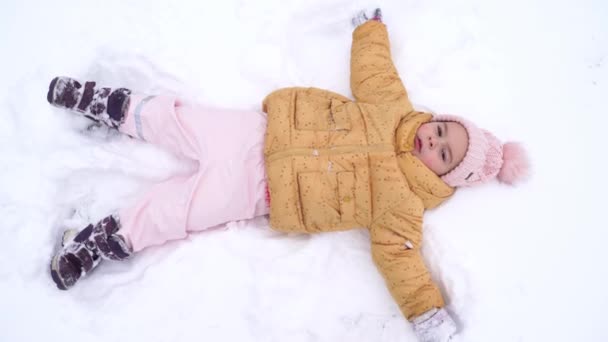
(515,264)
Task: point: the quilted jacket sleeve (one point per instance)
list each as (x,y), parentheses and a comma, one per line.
(395,250)
(373,77)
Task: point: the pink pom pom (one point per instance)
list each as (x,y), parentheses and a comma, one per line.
(515,165)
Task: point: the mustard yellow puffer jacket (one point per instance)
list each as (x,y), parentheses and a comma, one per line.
(336,164)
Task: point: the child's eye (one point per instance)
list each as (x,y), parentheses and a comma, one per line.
(439,131)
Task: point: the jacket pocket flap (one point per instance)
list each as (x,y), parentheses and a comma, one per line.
(340,120)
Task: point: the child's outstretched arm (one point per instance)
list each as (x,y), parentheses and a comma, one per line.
(373,77)
(396,252)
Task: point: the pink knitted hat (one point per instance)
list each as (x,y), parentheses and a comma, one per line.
(486,158)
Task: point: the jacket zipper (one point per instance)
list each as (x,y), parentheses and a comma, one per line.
(330,151)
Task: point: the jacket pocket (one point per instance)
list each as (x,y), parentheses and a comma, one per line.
(315,113)
(327,198)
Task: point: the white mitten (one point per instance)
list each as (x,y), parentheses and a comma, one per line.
(362,17)
(435,325)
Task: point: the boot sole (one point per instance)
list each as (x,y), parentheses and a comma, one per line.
(51,93)
(55,274)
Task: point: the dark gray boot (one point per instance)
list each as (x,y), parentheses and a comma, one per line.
(81,252)
(97,103)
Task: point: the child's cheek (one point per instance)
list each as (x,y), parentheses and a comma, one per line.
(430,162)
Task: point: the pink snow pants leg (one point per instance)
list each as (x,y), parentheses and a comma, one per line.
(229,184)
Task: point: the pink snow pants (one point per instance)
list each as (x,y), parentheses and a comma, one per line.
(229,184)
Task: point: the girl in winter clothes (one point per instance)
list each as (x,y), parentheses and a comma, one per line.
(314,161)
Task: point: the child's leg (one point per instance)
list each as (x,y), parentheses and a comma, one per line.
(169,211)
(152,118)
(194,131)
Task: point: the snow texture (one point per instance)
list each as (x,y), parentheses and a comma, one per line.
(522,264)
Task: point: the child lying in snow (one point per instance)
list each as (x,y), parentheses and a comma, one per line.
(315,162)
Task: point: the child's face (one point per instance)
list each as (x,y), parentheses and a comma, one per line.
(440,145)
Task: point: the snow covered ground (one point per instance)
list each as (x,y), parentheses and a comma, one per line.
(525,264)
